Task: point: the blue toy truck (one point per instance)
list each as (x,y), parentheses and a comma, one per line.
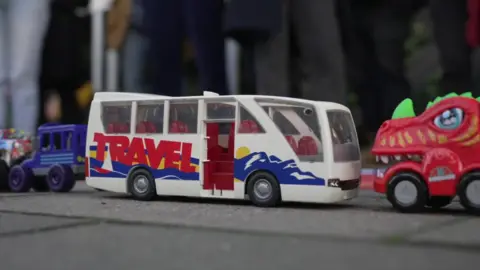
(57,162)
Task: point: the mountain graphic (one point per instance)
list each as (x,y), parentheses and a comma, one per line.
(286,172)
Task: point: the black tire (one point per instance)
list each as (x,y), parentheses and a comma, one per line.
(273,198)
(4,170)
(149,192)
(437,202)
(465,198)
(40,184)
(418,203)
(18,161)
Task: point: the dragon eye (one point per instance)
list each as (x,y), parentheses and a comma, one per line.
(449,119)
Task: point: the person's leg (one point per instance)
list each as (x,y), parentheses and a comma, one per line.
(449,18)
(133,62)
(361,65)
(204,23)
(4,81)
(391,24)
(272,60)
(164,29)
(27,20)
(322,61)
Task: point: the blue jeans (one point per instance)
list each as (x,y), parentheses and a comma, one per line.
(23,24)
(133,62)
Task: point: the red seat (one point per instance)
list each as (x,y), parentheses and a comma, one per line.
(111,128)
(150,127)
(307,146)
(292,142)
(145,127)
(248,126)
(123,128)
(178,127)
(141,128)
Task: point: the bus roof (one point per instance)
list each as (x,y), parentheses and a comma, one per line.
(124,96)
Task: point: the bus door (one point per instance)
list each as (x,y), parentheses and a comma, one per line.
(219,152)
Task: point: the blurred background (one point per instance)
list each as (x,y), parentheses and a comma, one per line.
(367,54)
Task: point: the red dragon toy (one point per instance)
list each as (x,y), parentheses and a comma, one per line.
(435,156)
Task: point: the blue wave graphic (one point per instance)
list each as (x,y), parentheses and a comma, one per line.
(286,171)
(120,170)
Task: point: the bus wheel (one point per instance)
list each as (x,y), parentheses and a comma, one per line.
(437,202)
(60,178)
(407,192)
(469,192)
(141,185)
(263,189)
(20,178)
(40,184)
(4,175)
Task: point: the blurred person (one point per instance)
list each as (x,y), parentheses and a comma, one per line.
(65,65)
(125,34)
(296,45)
(167,23)
(22,29)
(374,34)
(449,19)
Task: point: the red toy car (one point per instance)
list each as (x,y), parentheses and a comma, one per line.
(434,156)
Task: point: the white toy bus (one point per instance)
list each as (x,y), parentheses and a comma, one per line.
(262,148)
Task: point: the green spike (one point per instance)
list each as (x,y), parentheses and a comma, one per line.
(451,95)
(437,99)
(478,99)
(404,109)
(467,95)
(429,104)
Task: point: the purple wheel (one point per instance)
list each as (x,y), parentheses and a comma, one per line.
(60,178)
(20,178)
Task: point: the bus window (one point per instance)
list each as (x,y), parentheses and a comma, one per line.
(149,118)
(45,142)
(299,124)
(183,117)
(68,140)
(116,118)
(57,141)
(344,136)
(220,111)
(248,123)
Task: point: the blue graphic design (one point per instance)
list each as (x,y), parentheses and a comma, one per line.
(120,170)
(286,171)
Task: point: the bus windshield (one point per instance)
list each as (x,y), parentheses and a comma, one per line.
(344,136)
(299,124)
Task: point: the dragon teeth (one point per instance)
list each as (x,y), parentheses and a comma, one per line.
(398,157)
(384,159)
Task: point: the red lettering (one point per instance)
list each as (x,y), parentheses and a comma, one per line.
(118,147)
(172,153)
(186,157)
(155,153)
(136,152)
(128,152)
(99,138)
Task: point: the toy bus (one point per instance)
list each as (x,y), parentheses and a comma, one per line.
(432,157)
(57,162)
(262,148)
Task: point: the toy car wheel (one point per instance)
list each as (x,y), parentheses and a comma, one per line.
(437,202)
(469,192)
(40,184)
(407,192)
(4,169)
(60,178)
(20,178)
(142,185)
(263,189)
